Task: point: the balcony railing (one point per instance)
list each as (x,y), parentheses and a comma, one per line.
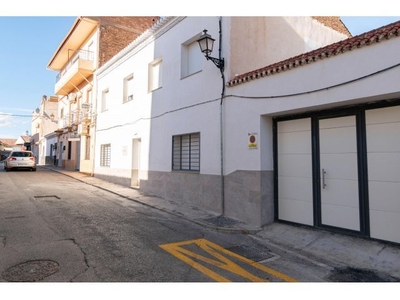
(76,117)
(82,55)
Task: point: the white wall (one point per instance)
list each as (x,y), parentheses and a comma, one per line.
(180,106)
(170,106)
(261,41)
(243,114)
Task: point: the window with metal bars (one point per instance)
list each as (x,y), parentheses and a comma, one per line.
(186,152)
(105,155)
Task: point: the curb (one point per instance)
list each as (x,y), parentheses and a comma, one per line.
(199,222)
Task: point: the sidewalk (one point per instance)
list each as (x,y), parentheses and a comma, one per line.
(346,251)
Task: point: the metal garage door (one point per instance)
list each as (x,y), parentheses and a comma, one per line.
(383,151)
(340,170)
(295,190)
(339,199)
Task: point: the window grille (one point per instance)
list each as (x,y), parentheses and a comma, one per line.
(186,152)
(105,155)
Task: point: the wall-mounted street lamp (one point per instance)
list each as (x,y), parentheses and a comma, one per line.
(206,43)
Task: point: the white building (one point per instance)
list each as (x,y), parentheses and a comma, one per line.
(43,124)
(160,117)
(328,150)
(90,43)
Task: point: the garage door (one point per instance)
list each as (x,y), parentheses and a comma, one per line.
(340,170)
(383,148)
(339,173)
(295,187)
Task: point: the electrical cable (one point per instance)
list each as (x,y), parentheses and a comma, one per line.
(316,90)
(239,96)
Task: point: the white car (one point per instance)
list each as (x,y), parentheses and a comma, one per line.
(20,160)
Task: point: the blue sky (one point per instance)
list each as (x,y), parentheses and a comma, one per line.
(28,43)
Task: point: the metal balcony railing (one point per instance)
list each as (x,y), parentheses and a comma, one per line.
(76,117)
(79,55)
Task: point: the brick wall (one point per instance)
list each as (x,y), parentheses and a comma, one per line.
(335,23)
(117,32)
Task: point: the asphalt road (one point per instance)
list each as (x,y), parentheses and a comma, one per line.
(54,228)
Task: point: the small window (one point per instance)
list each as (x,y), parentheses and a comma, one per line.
(186,152)
(155,75)
(105,155)
(104,99)
(191,58)
(128,88)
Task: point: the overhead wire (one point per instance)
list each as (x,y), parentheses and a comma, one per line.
(237,96)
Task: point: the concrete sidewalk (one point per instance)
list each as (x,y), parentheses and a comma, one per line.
(322,246)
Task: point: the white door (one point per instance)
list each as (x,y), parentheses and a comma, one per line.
(339,173)
(135,171)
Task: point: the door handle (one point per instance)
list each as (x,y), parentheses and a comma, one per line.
(323,179)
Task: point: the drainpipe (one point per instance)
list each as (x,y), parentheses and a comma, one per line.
(221,121)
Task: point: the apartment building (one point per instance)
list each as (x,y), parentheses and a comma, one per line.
(89,44)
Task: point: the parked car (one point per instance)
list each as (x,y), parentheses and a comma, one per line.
(20,160)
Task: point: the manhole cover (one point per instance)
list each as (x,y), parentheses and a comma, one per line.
(34,270)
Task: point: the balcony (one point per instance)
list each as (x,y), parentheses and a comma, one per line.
(79,68)
(83,115)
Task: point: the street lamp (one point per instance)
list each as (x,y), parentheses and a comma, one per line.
(206,43)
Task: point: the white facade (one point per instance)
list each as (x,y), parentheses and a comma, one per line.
(328,130)
(143,118)
(305,145)
(176,101)
(75,111)
(43,123)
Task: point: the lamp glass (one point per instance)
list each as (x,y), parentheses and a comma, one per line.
(206,43)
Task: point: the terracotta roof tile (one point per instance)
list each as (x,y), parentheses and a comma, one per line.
(365,39)
(8,142)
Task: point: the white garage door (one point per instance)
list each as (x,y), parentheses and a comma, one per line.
(383,148)
(355,188)
(339,173)
(295,197)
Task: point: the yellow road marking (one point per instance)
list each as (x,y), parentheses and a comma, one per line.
(177,250)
